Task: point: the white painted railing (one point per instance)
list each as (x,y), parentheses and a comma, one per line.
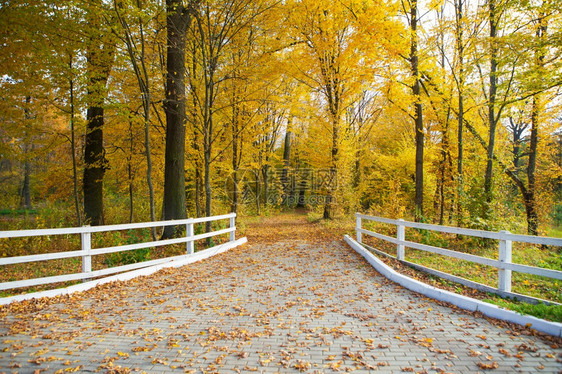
(86,251)
(503,264)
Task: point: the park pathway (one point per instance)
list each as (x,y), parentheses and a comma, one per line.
(277,304)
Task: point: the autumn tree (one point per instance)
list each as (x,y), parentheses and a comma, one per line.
(340,45)
(216,28)
(540,75)
(178,19)
(136,46)
(413,58)
(100,51)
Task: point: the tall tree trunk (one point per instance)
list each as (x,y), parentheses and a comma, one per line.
(235,135)
(138,61)
(130,174)
(286,163)
(198,185)
(530,202)
(25,192)
(265,173)
(492,116)
(95,165)
(73,143)
(332,183)
(26,187)
(198,174)
(177,21)
(144,84)
(460,82)
(208,190)
(258,193)
(207,150)
(99,56)
(418,115)
(73,152)
(149,168)
(195,142)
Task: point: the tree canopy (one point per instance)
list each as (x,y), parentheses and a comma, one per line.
(136,110)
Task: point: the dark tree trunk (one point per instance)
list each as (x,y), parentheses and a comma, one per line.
(418,115)
(286,162)
(265,173)
(25,192)
(198,187)
(195,143)
(73,144)
(517,130)
(460,52)
(332,183)
(235,159)
(95,165)
(492,115)
(99,56)
(177,20)
(130,173)
(208,192)
(26,188)
(530,202)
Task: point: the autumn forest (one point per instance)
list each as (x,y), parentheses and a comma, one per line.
(446,111)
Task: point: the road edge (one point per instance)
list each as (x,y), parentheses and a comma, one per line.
(464,302)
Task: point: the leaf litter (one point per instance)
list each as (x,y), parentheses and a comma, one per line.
(296,299)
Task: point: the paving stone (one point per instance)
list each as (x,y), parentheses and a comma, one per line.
(293,306)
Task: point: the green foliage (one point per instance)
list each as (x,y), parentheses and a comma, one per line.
(17,212)
(540,310)
(433,238)
(557,215)
(128,257)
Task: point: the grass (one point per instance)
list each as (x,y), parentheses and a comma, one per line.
(540,310)
(16,212)
(555,232)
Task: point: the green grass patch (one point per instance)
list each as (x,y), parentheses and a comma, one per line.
(540,310)
(16,212)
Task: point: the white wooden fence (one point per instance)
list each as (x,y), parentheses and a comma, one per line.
(86,252)
(503,264)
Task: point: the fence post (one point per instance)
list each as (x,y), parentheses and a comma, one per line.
(189,234)
(357,228)
(504,275)
(400,235)
(233,225)
(86,240)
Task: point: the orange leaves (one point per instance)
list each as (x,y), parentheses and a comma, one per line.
(146,348)
(160,361)
(488,366)
(302,365)
(426,342)
(474,353)
(504,352)
(284,313)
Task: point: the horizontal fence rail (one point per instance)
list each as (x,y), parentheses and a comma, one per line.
(86,252)
(503,264)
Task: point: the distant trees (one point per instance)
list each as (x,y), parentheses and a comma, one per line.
(336,45)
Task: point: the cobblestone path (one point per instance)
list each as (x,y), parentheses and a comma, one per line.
(289,306)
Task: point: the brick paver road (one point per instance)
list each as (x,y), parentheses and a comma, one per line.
(285,307)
